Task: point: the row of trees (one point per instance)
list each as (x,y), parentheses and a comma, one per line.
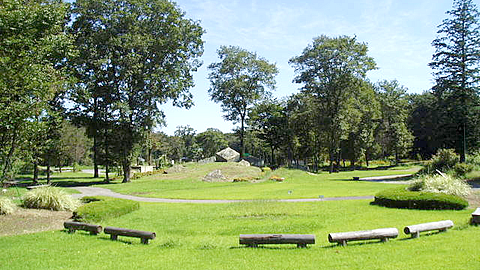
(108,66)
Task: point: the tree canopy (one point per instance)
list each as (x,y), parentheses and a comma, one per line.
(240,79)
(134,56)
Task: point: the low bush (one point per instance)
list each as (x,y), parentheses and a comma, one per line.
(402,198)
(98,208)
(441,184)
(444,160)
(140,175)
(50,198)
(461,169)
(266,169)
(7,207)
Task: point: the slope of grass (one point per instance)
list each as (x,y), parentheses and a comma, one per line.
(297,184)
(206,237)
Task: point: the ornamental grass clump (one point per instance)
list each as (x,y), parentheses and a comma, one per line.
(50,198)
(445,183)
(7,207)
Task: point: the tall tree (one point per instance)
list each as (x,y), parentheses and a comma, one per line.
(331,70)
(33,44)
(270,120)
(137,54)
(394,135)
(240,79)
(456,70)
(211,141)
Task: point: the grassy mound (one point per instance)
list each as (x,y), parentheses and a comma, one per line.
(99,208)
(402,198)
(50,198)
(6,206)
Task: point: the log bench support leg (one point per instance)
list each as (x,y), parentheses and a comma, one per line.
(144,241)
(383,240)
(343,243)
(71,230)
(301,245)
(113,237)
(416,235)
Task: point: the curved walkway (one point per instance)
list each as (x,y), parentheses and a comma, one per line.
(96,191)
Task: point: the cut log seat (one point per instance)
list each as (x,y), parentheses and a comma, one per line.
(38,186)
(72,226)
(476,216)
(253,240)
(415,230)
(115,232)
(382,234)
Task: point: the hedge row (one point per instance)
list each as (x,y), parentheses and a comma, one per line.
(98,208)
(401,198)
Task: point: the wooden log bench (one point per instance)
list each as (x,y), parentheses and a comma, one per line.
(382,234)
(115,232)
(415,230)
(38,186)
(476,216)
(253,240)
(72,226)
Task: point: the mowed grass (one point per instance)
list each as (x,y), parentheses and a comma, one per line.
(205,236)
(297,184)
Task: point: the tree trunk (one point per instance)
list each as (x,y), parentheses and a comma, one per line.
(35,172)
(95,156)
(242,135)
(107,169)
(126,170)
(48,171)
(107,180)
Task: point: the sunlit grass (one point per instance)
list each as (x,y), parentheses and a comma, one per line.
(206,237)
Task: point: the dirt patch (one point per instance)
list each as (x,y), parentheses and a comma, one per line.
(474,199)
(25,221)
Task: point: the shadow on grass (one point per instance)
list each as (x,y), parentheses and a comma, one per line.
(292,246)
(357,243)
(72,183)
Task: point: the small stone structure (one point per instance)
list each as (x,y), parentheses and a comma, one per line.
(244,163)
(227,155)
(215,176)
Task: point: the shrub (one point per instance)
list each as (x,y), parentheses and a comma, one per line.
(51,198)
(266,169)
(402,198)
(444,159)
(140,175)
(441,184)
(7,207)
(276,178)
(98,208)
(461,169)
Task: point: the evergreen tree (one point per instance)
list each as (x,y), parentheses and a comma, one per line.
(456,71)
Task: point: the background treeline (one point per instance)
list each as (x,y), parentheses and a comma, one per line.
(84,84)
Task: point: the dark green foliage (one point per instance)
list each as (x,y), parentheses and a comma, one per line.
(455,64)
(444,160)
(134,55)
(98,208)
(332,71)
(402,198)
(461,169)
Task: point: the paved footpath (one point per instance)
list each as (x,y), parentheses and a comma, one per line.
(96,191)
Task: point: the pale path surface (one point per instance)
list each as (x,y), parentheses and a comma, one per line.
(96,191)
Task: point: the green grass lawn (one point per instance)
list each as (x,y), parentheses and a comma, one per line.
(188,184)
(192,236)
